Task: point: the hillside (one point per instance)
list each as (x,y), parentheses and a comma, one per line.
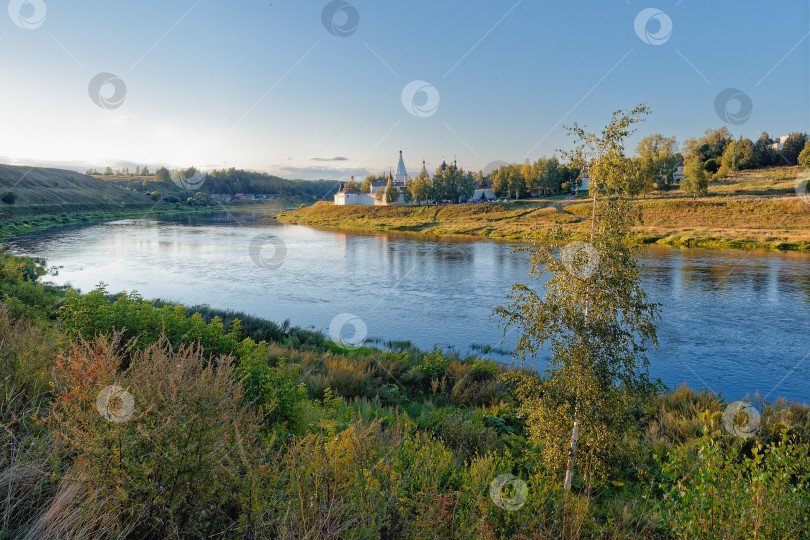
(40,189)
(231,182)
(747,209)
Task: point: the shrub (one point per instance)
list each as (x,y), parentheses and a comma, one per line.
(366,482)
(482,370)
(141,322)
(722,493)
(180,465)
(434,365)
(273,388)
(9,197)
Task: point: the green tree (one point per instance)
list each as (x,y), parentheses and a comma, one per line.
(553,176)
(365,187)
(447,184)
(156,195)
(500,182)
(108,171)
(732,156)
(163,175)
(509,182)
(145,171)
(391,192)
(710,147)
(792,147)
(530,181)
(695,182)
(804,156)
(352,185)
(517,182)
(9,197)
(466,186)
(407,192)
(422,188)
(658,160)
(764,155)
(739,155)
(594,316)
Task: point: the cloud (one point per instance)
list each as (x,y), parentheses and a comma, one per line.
(336,158)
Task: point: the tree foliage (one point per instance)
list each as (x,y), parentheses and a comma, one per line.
(695,182)
(592,314)
(804,156)
(391,192)
(792,147)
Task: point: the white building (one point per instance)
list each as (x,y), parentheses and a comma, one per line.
(353,197)
(584,180)
(777,145)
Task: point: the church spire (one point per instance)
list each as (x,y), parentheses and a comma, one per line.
(401,175)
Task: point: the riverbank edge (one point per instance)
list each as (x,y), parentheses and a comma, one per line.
(675,240)
(81,219)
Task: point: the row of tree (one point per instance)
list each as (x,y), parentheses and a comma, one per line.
(449,183)
(717,153)
(543,177)
(121,172)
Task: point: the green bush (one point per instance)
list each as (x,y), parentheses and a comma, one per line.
(273,388)
(142,323)
(482,370)
(720,492)
(434,365)
(9,197)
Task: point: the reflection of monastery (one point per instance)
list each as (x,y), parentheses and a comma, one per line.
(354,197)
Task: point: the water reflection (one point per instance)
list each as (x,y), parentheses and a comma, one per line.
(733,321)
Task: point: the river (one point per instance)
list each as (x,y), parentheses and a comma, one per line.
(735,322)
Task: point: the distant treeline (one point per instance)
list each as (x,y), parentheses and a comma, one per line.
(230,182)
(234,181)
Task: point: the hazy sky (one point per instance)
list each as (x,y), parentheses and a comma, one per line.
(287,86)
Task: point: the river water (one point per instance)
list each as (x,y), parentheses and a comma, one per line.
(735,322)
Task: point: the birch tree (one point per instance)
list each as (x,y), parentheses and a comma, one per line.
(591,312)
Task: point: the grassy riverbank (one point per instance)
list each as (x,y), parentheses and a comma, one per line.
(751,209)
(33,222)
(328,441)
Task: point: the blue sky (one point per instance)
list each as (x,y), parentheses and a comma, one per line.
(266,86)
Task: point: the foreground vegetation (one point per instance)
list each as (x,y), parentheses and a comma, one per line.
(126,418)
(239,427)
(747,209)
